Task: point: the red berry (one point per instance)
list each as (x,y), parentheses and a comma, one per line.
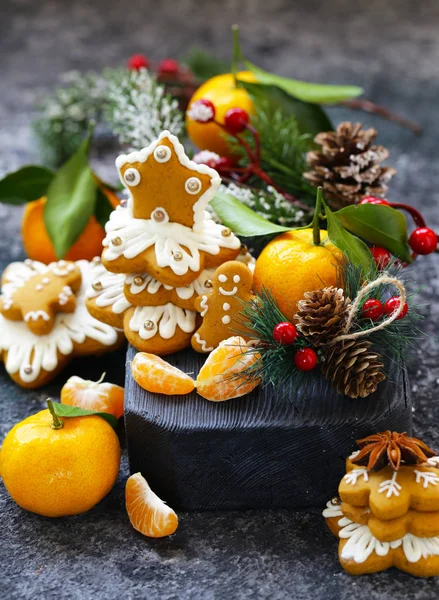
(423,240)
(236,120)
(392,304)
(305,359)
(381,256)
(372,309)
(202,111)
(374,200)
(224,163)
(137,62)
(168,68)
(285,333)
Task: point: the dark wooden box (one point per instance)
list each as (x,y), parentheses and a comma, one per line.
(258,451)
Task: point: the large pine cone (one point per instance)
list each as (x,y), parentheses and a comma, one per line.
(348,167)
(322,314)
(353,368)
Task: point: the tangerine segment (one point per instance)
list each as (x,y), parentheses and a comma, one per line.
(220,379)
(156,375)
(147,513)
(93,395)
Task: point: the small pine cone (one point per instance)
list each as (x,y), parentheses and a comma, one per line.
(353,368)
(348,167)
(322,315)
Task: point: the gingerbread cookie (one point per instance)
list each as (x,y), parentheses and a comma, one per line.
(105,299)
(36,299)
(220,308)
(388,511)
(33,359)
(164,229)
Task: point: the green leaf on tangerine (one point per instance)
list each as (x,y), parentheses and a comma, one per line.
(305,91)
(379,225)
(71,200)
(66,411)
(27,184)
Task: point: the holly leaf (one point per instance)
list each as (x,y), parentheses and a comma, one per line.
(103,208)
(28,183)
(303,90)
(355,249)
(310,118)
(71,200)
(241,219)
(379,225)
(65,411)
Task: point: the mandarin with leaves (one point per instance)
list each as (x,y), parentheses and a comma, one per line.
(100,395)
(291,265)
(57,467)
(223,92)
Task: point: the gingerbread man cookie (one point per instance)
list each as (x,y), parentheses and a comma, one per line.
(32,359)
(220,308)
(37,299)
(164,230)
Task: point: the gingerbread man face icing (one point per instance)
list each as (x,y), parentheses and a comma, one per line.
(221,308)
(37,300)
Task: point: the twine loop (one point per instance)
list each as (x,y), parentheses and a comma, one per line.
(385,279)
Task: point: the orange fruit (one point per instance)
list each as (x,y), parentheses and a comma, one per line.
(223,93)
(93,395)
(291,265)
(38,245)
(147,513)
(154,374)
(219,378)
(59,472)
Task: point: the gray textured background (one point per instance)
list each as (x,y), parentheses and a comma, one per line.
(392,49)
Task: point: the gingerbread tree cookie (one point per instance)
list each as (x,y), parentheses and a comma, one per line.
(388,510)
(161,249)
(220,308)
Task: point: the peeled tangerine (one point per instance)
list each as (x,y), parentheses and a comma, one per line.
(221,375)
(93,395)
(147,513)
(154,374)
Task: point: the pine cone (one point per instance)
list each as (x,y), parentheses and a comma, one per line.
(322,314)
(353,368)
(348,167)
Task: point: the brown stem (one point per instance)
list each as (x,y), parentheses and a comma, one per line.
(381,111)
(56,423)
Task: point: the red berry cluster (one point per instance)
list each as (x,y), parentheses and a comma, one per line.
(285,333)
(373,309)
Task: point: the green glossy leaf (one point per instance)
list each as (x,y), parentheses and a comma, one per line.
(310,118)
(379,225)
(305,91)
(103,208)
(27,184)
(355,249)
(71,200)
(241,219)
(65,411)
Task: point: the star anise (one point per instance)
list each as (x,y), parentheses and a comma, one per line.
(391,448)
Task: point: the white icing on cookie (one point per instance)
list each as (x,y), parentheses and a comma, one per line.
(200,205)
(426,477)
(224,292)
(332,510)
(226,319)
(152,286)
(203,343)
(39,352)
(204,305)
(35,315)
(226,306)
(166,319)
(64,295)
(391,486)
(352,476)
(111,293)
(137,235)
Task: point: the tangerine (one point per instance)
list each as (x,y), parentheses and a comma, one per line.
(156,375)
(221,377)
(147,513)
(59,471)
(291,265)
(222,91)
(93,395)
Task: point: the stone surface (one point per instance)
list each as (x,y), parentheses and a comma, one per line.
(392,49)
